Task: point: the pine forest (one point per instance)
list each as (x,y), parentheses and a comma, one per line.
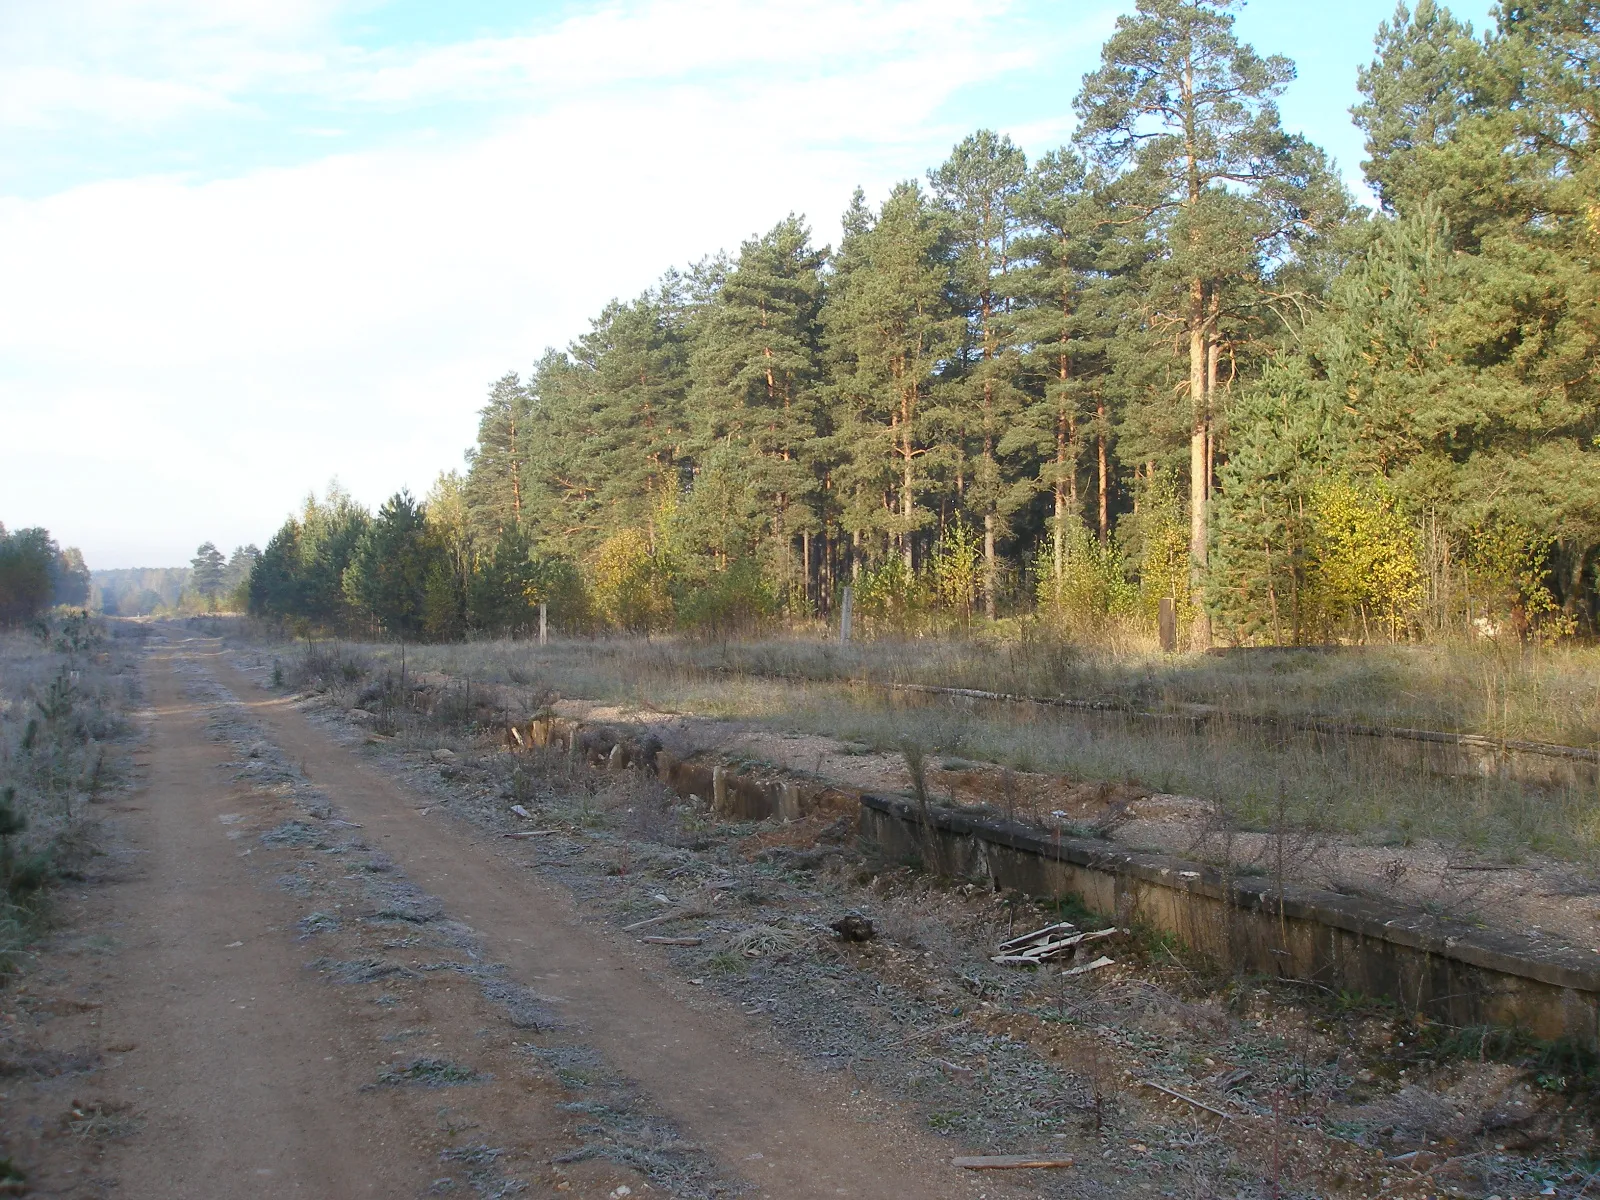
(1175,358)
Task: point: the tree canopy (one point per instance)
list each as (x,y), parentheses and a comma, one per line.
(1171,359)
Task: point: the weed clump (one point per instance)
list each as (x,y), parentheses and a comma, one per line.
(428,1072)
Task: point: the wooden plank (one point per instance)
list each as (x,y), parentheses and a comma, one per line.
(1047,950)
(1028,939)
(1102,961)
(1007,1162)
(530,833)
(671,941)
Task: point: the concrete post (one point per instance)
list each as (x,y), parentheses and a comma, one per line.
(789,803)
(845,605)
(544,635)
(719,790)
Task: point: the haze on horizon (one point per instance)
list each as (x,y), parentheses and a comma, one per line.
(246,247)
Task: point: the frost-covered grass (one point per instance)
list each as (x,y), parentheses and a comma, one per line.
(65,694)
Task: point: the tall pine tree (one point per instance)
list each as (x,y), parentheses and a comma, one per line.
(757,367)
(980,186)
(1188,109)
(891,325)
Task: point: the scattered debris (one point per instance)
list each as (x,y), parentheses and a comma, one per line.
(1037,936)
(1102,961)
(1007,1162)
(1043,945)
(853,927)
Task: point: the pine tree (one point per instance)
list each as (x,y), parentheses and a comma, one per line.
(890,325)
(301,572)
(450,516)
(756,365)
(389,569)
(70,578)
(1188,109)
(27,557)
(236,576)
(205,573)
(1417,91)
(1289,432)
(610,431)
(980,187)
(497,464)
(1065,324)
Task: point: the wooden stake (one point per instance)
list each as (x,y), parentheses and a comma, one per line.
(1007,1162)
(1187,1099)
(665,917)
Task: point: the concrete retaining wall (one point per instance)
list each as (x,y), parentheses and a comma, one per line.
(1454,973)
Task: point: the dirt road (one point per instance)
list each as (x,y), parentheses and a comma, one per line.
(459,1026)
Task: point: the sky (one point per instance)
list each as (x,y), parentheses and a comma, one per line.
(250,246)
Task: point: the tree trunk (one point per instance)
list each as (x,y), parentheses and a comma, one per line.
(1062,441)
(805,563)
(1198,436)
(908,450)
(988,565)
(516,474)
(1213,353)
(1100,451)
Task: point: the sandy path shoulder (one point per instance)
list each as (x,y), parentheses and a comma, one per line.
(790,1133)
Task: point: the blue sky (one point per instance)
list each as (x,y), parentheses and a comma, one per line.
(248,245)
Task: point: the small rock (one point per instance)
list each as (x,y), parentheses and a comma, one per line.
(257,750)
(853,927)
(444,756)
(520,811)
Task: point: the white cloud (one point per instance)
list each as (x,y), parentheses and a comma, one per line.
(145,61)
(676,39)
(197,354)
(130,61)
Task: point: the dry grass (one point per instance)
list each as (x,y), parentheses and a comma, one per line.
(1483,687)
(64,696)
(1262,777)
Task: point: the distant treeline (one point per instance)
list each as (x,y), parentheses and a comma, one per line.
(1169,359)
(138,591)
(36,573)
(211,581)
